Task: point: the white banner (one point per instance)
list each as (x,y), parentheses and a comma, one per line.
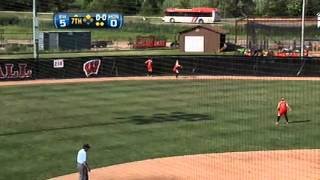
(58,63)
(41,41)
(318,19)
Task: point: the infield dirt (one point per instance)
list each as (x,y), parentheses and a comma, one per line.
(265,165)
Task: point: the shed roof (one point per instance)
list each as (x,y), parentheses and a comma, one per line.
(209,28)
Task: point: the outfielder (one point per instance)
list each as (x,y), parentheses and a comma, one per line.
(283,107)
(176,68)
(149,66)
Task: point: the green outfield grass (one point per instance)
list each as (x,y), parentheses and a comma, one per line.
(71,54)
(145,52)
(43,126)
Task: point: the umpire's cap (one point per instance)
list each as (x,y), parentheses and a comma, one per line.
(86,146)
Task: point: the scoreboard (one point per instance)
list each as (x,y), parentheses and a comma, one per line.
(87,20)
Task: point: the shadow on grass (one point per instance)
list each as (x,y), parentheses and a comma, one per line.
(138,120)
(171,117)
(296,122)
(63,128)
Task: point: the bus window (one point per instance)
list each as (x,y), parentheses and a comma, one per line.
(205,14)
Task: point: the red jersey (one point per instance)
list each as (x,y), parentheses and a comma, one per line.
(282,106)
(149,65)
(176,68)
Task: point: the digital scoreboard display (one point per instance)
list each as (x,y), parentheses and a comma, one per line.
(88,20)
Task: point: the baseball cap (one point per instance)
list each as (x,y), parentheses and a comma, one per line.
(86,146)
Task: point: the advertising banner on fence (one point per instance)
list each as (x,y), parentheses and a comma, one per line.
(15,71)
(58,63)
(91,67)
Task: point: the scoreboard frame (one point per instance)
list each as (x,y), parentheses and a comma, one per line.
(64,20)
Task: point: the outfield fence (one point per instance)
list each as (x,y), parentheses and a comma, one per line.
(88,67)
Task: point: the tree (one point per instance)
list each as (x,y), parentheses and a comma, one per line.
(246,7)
(184,4)
(42,5)
(259,6)
(170,4)
(16,5)
(85,4)
(294,7)
(213,3)
(312,7)
(127,7)
(236,8)
(151,7)
(56,5)
(275,8)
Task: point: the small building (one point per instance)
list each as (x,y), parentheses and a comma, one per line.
(64,40)
(202,39)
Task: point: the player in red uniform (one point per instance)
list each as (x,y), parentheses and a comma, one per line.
(176,68)
(148,64)
(283,107)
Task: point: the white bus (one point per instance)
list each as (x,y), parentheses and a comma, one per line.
(194,15)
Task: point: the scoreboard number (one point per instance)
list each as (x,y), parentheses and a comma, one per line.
(102,17)
(115,20)
(113,23)
(88,20)
(63,23)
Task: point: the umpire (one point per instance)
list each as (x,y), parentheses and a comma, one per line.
(82,164)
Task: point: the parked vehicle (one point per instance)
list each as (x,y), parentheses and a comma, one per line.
(194,15)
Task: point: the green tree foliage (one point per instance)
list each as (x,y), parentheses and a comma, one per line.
(294,7)
(85,4)
(152,7)
(313,7)
(13,5)
(246,7)
(236,8)
(290,7)
(214,3)
(55,5)
(230,8)
(185,4)
(259,7)
(275,8)
(122,6)
(42,5)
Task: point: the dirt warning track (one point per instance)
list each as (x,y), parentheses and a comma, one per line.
(141,78)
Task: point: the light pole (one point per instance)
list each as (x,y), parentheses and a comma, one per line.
(35,30)
(318,18)
(302,39)
(302,28)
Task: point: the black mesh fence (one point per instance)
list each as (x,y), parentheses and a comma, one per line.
(277,33)
(162,65)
